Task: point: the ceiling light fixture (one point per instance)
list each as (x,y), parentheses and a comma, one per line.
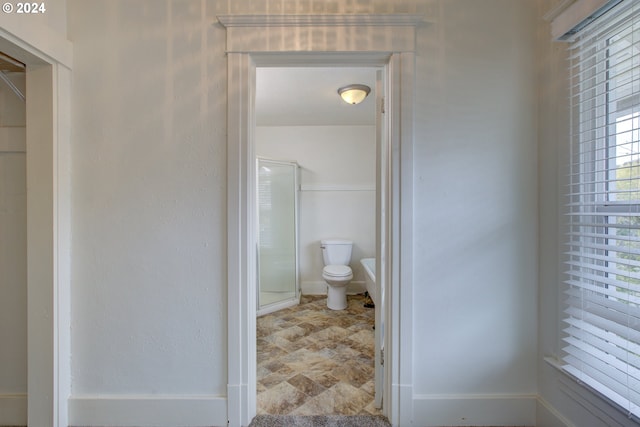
(354,94)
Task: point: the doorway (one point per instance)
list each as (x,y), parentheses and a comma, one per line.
(395,227)
(386,41)
(299,116)
(47,60)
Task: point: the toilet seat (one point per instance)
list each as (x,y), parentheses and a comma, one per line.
(336,271)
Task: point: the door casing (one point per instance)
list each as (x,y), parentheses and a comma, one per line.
(385,41)
(48,59)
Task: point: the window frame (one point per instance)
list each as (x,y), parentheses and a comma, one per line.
(596,270)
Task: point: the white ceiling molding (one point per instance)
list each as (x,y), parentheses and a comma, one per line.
(318,20)
(569,14)
(321,32)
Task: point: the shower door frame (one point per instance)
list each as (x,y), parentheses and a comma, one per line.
(289,302)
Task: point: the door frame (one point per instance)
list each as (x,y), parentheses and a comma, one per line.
(48,59)
(386,41)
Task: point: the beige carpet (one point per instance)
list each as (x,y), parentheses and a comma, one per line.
(319,421)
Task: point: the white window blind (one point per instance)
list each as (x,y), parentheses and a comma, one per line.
(602,311)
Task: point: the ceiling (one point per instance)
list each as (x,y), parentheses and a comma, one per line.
(301,96)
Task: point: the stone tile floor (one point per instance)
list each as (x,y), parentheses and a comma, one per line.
(316,361)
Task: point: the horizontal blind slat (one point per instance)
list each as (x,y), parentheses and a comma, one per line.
(584,281)
(610,310)
(606,324)
(618,301)
(614,368)
(602,258)
(603,334)
(599,372)
(623,242)
(602,209)
(604,346)
(601,274)
(585,377)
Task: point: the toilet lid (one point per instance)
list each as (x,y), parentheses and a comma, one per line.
(337,270)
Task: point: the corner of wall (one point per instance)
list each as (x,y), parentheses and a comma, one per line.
(548,416)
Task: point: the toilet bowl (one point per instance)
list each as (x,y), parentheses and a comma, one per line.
(336,254)
(337,278)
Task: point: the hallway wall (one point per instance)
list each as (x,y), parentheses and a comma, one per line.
(475,211)
(149,158)
(149,283)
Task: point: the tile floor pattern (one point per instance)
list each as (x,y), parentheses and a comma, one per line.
(316,361)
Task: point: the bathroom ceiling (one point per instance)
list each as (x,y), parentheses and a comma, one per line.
(300,96)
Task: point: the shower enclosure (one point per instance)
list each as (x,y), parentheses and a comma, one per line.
(277,235)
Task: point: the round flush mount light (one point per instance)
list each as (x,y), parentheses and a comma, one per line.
(354,94)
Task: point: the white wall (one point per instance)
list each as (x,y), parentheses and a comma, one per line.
(13,254)
(475,199)
(48,18)
(149,215)
(337,178)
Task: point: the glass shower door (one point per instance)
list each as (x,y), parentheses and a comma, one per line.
(277,235)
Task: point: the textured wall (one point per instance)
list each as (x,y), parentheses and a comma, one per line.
(475,200)
(149,192)
(149,269)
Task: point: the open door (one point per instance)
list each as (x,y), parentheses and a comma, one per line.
(382,237)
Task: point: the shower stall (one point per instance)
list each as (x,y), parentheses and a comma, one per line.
(277,215)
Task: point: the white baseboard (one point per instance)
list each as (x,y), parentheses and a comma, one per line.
(320,288)
(13,409)
(474,410)
(148,411)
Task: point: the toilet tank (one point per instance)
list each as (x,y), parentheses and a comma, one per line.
(336,251)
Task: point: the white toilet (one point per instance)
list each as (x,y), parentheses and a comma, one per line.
(336,254)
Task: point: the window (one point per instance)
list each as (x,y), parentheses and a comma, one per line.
(602,310)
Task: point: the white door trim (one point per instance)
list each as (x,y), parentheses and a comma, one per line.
(48,58)
(345,40)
